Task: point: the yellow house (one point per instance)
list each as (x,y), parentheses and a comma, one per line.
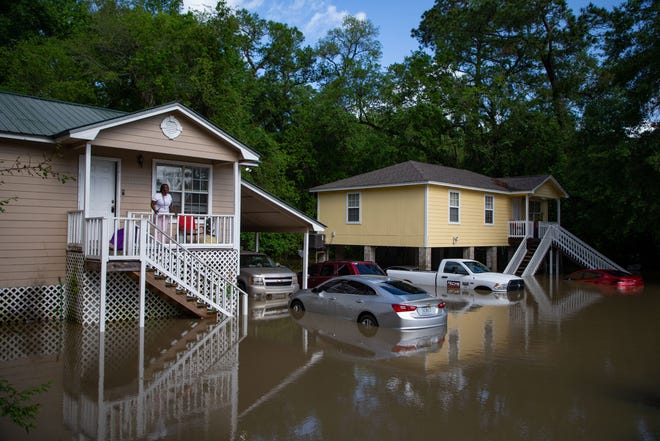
(416,213)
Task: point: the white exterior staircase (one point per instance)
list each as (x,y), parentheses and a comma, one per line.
(567,243)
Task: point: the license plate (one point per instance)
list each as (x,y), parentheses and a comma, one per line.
(426,310)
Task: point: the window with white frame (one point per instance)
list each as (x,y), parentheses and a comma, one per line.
(454,207)
(489,209)
(353,208)
(189,186)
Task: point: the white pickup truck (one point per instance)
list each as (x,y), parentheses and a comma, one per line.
(457,273)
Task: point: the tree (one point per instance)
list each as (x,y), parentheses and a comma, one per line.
(17,404)
(499,62)
(42,168)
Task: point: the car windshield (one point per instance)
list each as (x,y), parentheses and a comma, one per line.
(401,288)
(476,267)
(256,261)
(369,268)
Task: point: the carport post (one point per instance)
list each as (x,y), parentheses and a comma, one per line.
(305,259)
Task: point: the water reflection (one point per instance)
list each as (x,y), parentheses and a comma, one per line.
(557,361)
(349,340)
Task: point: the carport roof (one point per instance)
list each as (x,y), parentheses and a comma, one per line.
(262,212)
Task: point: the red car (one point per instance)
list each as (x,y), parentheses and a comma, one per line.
(606,276)
(320,272)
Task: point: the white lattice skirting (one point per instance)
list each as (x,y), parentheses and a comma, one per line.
(77,298)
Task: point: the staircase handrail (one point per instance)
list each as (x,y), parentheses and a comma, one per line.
(188,270)
(539,254)
(517,258)
(581,251)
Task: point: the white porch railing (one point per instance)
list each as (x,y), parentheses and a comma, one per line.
(200,230)
(135,238)
(519,228)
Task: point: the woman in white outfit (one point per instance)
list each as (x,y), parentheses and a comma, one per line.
(160,204)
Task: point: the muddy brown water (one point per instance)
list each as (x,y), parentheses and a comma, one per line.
(562,361)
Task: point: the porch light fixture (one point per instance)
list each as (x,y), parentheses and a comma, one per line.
(140,160)
(454,240)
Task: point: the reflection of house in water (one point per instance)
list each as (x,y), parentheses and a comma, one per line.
(194,371)
(551,304)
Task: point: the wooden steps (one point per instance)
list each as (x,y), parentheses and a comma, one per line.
(170,294)
(532,245)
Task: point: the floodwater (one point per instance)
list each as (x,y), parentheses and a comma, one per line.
(562,361)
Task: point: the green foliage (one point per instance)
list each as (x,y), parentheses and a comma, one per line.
(18,405)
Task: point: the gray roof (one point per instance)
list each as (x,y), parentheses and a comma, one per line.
(31,116)
(413,172)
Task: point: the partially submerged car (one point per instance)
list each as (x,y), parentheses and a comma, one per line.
(323,271)
(606,276)
(372,301)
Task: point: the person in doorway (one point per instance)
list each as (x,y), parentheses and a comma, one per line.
(161,204)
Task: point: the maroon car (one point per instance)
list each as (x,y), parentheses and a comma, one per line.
(320,272)
(606,276)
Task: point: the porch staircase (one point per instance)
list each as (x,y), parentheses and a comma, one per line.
(175,295)
(527,259)
(532,246)
(186,280)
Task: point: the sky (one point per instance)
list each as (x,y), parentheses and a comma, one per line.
(393,18)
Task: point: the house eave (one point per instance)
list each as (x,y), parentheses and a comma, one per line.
(91,132)
(409,184)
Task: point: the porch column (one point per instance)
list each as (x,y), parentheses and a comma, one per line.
(527,232)
(468,253)
(558,212)
(369,253)
(88,179)
(424,258)
(238,188)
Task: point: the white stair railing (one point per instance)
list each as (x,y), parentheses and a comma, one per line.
(573,247)
(539,254)
(517,258)
(581,252)
(188,271)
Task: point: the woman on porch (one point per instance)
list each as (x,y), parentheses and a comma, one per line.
(160,204)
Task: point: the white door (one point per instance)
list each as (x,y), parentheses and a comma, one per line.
(103,187)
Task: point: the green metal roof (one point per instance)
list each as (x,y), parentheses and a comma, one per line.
(31,116)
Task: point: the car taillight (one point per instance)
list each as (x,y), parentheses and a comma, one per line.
(403,308)
(441,305)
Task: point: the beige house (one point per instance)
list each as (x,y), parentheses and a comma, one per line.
(416,213)
(84,248)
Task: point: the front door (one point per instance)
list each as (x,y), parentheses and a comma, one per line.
(103,187)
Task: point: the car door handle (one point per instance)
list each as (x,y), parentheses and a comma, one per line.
(359,301)
(444,277)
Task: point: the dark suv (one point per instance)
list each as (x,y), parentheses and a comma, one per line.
(320,272)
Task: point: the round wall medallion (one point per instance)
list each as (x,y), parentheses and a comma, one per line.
(171,127)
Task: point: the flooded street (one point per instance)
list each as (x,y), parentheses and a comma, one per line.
(562,361)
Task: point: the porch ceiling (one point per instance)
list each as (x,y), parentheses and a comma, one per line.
(262,212)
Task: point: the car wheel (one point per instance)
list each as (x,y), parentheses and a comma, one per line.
(297,309)
(368,320)
(367,325)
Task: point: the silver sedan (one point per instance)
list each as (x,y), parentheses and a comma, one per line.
(372,301)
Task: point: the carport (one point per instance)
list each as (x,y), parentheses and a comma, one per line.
(261,212)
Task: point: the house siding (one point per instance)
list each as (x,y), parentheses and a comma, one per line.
(136,181)
(471,231)
(548,191)
(389,217)
(33,228)
(146,136)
